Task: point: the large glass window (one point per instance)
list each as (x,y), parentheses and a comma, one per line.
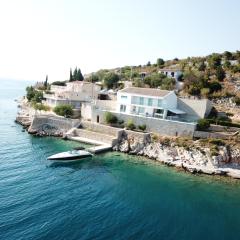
(150,101)
(141,101)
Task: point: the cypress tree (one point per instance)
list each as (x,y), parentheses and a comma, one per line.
(71,75)
(79,75)
(75,74)
(46,82)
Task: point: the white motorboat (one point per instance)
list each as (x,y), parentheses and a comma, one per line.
(70,155)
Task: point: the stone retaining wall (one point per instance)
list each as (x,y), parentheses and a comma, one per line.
(218,135)
(52,122)
(160,126)
(94,136)
(100,128)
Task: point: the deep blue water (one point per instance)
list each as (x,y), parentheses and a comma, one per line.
(112,196)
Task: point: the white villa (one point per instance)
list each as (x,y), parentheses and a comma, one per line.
(148,102)
(173,73)
(74,93)
(160,110)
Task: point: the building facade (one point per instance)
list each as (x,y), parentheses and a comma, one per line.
(148,102)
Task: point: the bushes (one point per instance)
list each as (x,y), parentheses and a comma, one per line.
(110,118)
(203,124)
(34,95)
(237,100)
(130,125)
(223,123)
(142,127)
(64,110)
(59,83)
(41,107)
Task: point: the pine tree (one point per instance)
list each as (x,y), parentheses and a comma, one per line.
(71,76)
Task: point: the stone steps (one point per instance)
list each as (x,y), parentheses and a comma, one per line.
(90,136)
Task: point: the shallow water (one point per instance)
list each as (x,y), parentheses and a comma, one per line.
(112,196)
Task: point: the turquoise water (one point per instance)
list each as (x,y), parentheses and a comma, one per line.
(112,196)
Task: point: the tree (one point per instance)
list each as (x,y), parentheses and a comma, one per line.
(71,75)
(148,63)
(214,61)
(228,55)
(79,75)
(202,67)
(160,62)
(75,74)
(227,64)
(46,82)
(110,80)
(215,86)
(220,74)
(168,83)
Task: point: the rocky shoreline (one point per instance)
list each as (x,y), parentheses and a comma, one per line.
(196,159)
(189,155)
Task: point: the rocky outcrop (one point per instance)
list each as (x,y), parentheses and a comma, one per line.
(195,159)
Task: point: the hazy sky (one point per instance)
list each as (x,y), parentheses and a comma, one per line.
(40,37)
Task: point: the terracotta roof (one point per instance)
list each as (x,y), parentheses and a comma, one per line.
(146,91)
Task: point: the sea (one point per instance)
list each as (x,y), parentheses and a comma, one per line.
(111,196)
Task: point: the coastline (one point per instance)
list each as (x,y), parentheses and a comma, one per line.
(192,158)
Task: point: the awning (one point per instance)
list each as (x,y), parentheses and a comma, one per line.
(177,111)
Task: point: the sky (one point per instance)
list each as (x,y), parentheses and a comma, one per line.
(48,37)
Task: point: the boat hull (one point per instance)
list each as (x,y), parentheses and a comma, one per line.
(70,156)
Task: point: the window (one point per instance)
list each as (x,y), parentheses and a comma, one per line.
(124,97)
(141,102)
(159,102)
(141,110)
(122,108)
(150,101)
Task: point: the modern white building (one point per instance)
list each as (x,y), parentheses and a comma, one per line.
(74,93)
(148,102)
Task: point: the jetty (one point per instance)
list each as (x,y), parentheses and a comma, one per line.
(101,136)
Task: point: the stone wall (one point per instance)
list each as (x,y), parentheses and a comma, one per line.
(52,123)
(218,135)
(160,126)
(108,139)
(101,128)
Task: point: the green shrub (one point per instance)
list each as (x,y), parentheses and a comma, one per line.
(59,83)
(110,118)
(40,106)
(65,110)
(217,142)
(224,123)
(142,127)
(237,100)
(203,124)
(130,125)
